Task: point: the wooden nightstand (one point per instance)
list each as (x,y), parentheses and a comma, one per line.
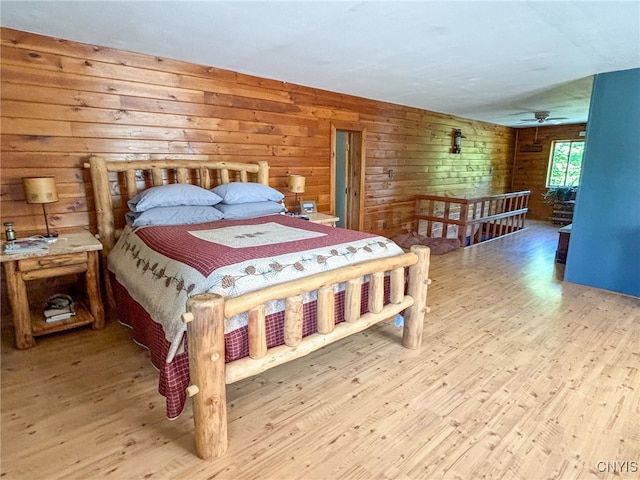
(323,218)
(72,253)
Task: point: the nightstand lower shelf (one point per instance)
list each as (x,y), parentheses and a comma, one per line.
(40,327)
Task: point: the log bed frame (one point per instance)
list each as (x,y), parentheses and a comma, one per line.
(205,313)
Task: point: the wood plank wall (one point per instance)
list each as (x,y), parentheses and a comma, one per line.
(63,101)
(530,168)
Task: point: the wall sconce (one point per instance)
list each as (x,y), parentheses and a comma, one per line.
(457,141)
(296,185)
(41,190)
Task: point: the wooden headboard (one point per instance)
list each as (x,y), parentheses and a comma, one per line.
(124,180)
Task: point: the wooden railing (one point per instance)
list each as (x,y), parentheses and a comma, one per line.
(471,220)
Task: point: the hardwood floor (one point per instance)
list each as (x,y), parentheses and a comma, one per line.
(520,376)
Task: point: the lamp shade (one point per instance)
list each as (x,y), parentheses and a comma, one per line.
(296,183)
(40,189)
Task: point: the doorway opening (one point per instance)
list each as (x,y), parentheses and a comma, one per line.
(347,173)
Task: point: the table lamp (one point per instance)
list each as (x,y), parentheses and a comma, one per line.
(41,190)
(296,185)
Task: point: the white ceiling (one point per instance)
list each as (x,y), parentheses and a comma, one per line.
(492,61)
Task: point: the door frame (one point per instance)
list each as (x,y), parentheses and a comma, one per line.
(354,167)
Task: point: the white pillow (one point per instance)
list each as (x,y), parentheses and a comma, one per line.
(172,195)
(238,211)
(176,215)
(245,192)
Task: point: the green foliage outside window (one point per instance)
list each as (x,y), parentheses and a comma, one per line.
(566,164)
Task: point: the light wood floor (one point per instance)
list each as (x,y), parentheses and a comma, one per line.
(520,376)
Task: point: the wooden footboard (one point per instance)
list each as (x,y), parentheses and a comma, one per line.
(205,330)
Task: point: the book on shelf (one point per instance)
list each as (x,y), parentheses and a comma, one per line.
(52,312)
(59,307)
(59,316)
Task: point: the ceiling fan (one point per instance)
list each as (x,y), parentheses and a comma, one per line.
(542,117)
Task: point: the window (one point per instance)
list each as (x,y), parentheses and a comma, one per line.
(566,163)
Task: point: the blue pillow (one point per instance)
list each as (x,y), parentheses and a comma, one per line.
(239,211)
(172,195)
(245,192)
(177,215)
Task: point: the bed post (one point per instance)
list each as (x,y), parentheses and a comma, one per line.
(104,216)
(104,204)
(418,284)
(263,172)
(205,336)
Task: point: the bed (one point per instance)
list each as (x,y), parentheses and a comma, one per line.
(203,326)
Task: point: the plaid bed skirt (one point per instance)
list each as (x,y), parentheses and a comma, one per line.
(174,375)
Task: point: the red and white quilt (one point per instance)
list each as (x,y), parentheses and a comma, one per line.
(161,266)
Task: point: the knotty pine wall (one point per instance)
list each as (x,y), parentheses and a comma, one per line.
(530,169)
(64,101)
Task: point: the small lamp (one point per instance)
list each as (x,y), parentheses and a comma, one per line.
(457,141)
(41,190)
(296,185)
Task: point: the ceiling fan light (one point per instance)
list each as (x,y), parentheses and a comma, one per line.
(541,116)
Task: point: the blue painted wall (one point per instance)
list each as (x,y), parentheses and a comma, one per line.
(604,248)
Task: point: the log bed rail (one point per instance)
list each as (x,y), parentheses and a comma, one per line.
(205,313)
(472,220)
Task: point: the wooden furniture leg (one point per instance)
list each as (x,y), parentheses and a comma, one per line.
(418,284)
(19,307)
(205,334)
(93,290)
